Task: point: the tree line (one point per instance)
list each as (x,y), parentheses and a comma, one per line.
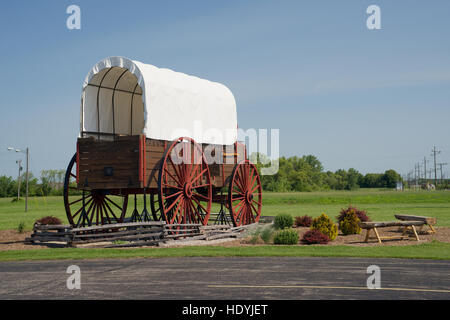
(50,182)
(307,174)
(295,174)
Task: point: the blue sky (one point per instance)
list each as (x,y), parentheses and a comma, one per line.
(368,99)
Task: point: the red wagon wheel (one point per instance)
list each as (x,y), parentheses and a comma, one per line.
(184,184)
(99,207)
(244,194)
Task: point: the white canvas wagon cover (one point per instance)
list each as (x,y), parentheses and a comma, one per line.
(123,96)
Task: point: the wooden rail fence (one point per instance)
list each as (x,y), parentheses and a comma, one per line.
(129,234)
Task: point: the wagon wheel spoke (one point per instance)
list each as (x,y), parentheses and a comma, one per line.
(187,185)
(200,205)
(245,187)
(175,179)
(106,213)
(81,199)
(110,210)
(205,198)
(197,213)
(173,195)
(170,186)
(175,213)
(116,205)
(79,210)
(91,211)
(198,176)
(176,171)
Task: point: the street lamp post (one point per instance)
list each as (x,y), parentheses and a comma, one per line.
(18,178)
(27,153)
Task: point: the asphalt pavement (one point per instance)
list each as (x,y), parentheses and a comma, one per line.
(226,278)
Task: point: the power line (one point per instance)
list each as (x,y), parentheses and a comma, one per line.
(434,154)
(425,167)
(441,165)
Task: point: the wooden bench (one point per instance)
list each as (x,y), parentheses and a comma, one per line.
(369,226)
(428,221)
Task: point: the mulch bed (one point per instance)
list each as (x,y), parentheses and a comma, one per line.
(442,234)
(13,240)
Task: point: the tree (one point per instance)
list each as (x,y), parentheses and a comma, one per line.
(390,179)
(8,187)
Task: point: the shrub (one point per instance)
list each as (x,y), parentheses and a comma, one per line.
(286,236)
(325,225)
(315,237)
(255,239)
(304,221)
(266,235)
(350,224)
(262,235)
(283,221)
(49,220)
(21,227)
(361,214)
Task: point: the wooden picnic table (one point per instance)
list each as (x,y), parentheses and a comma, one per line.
(369,226)
(428,221)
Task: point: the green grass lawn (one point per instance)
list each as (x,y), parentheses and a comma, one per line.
(432,250)
(380,205)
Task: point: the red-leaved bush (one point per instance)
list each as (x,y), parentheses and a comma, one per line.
(304,221)
(49,220)
(315,237)
(361,214)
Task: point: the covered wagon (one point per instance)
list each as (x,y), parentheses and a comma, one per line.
(163,135)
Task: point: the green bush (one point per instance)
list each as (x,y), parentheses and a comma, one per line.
(266,235)
(283,221)
(286,236)
(21,227)
(326,226)
(350,223)
(262,234)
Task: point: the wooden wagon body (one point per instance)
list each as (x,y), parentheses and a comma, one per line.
(118,155)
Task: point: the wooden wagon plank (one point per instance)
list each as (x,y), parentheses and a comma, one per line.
(120,233)
(119,238)
(121,225)
(51,227)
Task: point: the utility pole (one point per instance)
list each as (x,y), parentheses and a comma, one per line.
(434,153)
(430,172)
(415,176)
(425,167)
(441,165)
(19,162)
(418,173)
(26,197)
(27,176)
